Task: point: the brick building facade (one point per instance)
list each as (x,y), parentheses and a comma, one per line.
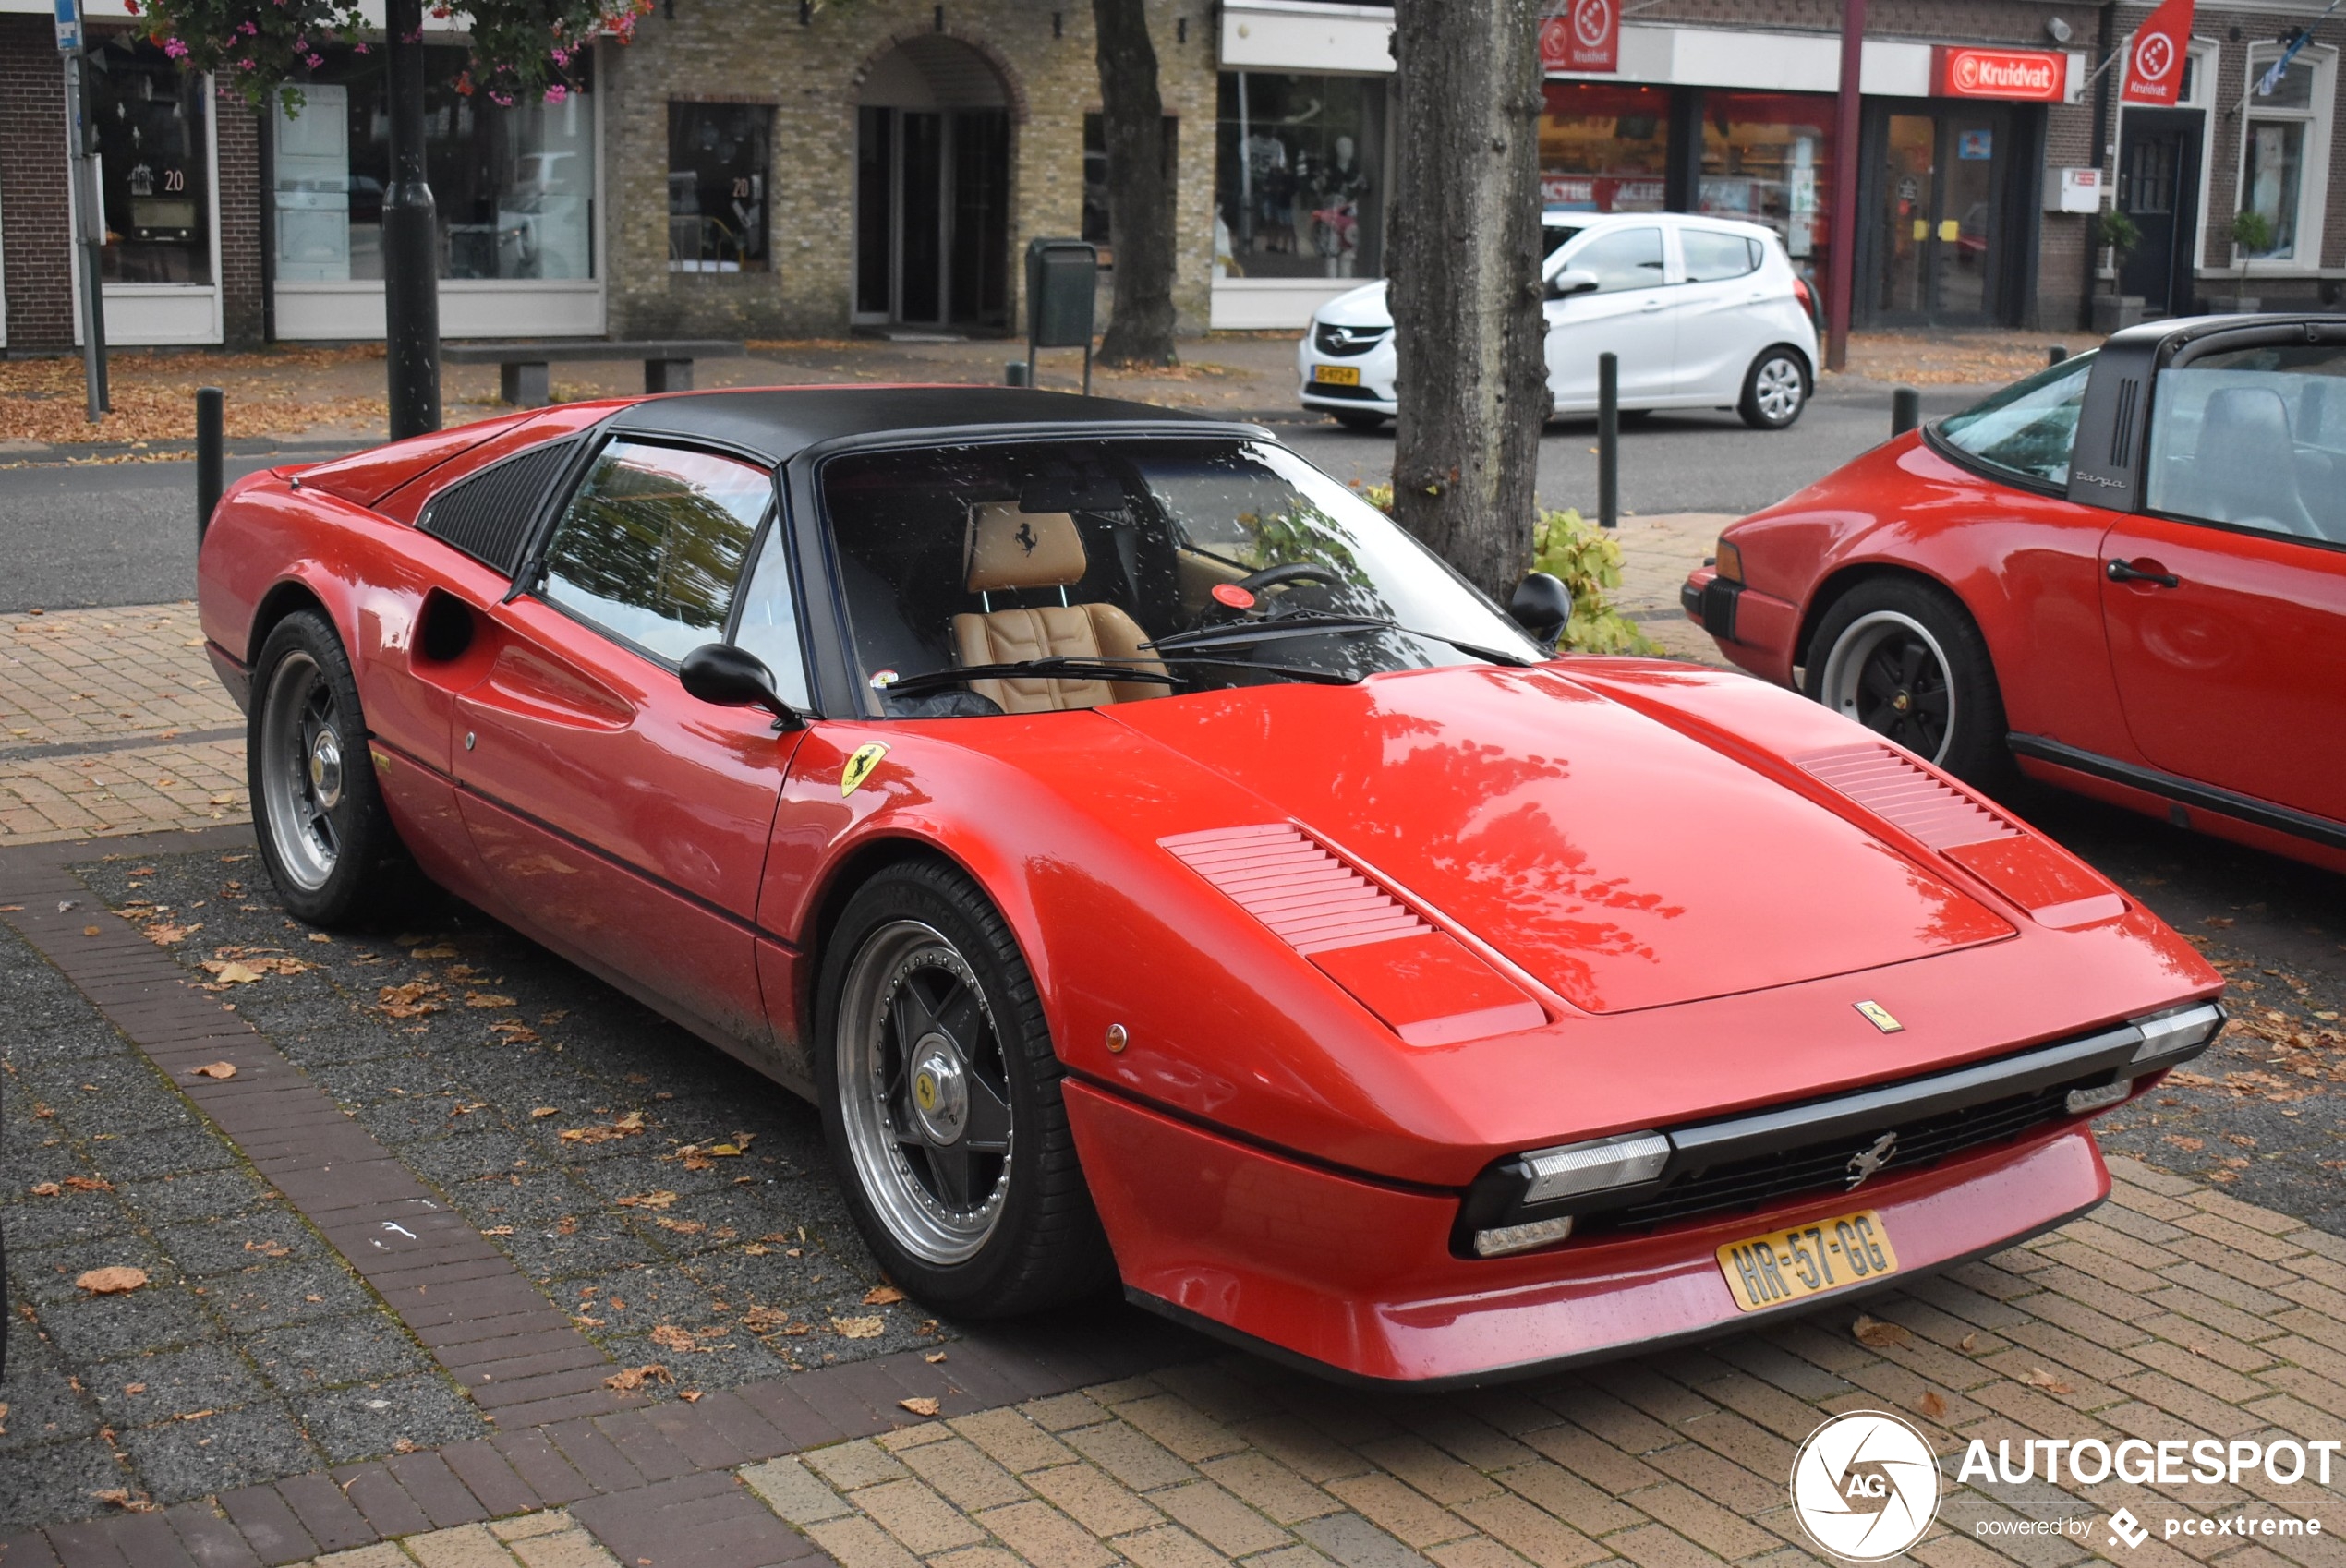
(765,168)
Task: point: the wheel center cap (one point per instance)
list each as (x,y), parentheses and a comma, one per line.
(940,1091)
(325,769)
(1901,702)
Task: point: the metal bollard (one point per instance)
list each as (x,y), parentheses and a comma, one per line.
(1905,410)
(1608,440)
(211,418)
(1014,374)
(2056,353)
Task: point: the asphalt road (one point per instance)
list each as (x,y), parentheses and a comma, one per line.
(110,534)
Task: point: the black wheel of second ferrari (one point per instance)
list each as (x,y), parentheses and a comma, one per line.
(941,1104)
(1903,658)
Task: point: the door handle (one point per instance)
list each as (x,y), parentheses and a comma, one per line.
(1651,304)
(2126,571)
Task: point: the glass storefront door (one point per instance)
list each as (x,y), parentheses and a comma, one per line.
(1938,204)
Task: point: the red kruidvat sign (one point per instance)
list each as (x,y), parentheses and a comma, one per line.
(2033,76)
(1582,35)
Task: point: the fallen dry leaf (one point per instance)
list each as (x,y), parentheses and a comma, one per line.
(217,1069)
(115,1281)
(682,1227)
(409,1001)
(88,1184)
(668,1336)
(660,1198)
(134,1388)
(629,1126)
(882,1296)
(231,972)
(1969,1343)
(269,1249)
(488,999)
(2036,1377)
(124,1501)
(163,934)
(90,931)
(773,1320)
(630,1378)
(1931,1405)
(513,1033)
(689,1395)
(920,1407)
(3,1421)
(47,1189)
(1880,1336)
(499,1230)
(437,951)
(934,1357)
(860,1327)
(544,1110)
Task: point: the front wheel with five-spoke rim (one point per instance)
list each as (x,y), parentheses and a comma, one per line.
(1775,390)
(324,834)
(940,1097)
(1902,657)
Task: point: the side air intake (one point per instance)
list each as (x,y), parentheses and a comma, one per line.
(488,515)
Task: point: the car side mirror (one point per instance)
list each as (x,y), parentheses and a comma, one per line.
(1572,280)
(1542,605)
(731,677)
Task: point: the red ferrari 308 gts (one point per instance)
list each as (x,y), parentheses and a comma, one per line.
(1162,870)
(2127,572)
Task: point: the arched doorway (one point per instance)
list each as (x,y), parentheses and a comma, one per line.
(933,188)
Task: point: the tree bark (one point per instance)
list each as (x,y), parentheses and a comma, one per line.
(1466,294)
(1140,202)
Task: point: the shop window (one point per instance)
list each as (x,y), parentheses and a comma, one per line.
(719,169)
(1095,205)
(512,185)
(1298,181)
(2284,154)
(1767,158)
(1605,148)
(154,150)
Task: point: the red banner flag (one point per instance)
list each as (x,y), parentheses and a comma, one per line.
(2155,58)
(1584,35)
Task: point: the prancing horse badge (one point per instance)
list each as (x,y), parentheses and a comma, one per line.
(859,767)
(1875,1013)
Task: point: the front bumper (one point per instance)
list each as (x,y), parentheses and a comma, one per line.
(1755,630)
(1358,1279)
(1375,393)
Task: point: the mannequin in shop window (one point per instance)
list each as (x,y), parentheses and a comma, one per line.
(1273,186)
(1342,184)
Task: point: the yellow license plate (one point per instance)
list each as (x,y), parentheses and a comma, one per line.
(1786,1265)
(1337,375)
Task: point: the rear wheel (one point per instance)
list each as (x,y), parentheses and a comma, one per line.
(1905,661)
(940,1097)
(1775,390)
(324,832)
(1362,422)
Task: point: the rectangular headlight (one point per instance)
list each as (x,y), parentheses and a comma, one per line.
(1521,1238)
(2174,1033)
(1574,1168)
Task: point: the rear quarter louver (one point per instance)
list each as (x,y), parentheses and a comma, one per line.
(490,515)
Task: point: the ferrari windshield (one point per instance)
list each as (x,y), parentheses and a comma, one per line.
(1046,570)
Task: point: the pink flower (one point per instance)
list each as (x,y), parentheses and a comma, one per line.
(556,93)
(248,29)
(358,48)
(314,61)
(175,48)
(562,57)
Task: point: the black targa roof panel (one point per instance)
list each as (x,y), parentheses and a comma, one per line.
(781,422)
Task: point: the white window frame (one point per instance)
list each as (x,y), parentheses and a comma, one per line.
(2313,172)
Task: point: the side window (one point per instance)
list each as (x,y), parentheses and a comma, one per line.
(1622,259)
(1713,257)
(2028,428)
(650,548)
(769,625)
(2256,437)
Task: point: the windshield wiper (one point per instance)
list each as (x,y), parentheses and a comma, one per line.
(1064,668)
(1315,623)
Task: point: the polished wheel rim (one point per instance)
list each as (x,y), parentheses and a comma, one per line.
(924,1093)
(302,776)
(1890,674)
(1778,389)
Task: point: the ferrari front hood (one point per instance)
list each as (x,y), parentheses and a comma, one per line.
(1612,858)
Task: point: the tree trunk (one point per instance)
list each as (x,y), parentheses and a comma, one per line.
(1140,201)
(1466,294)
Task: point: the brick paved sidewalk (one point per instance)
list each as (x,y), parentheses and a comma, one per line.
(2172,1313)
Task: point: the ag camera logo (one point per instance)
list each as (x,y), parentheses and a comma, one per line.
(1865,1486)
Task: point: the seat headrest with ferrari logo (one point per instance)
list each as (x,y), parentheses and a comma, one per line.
(1010,549)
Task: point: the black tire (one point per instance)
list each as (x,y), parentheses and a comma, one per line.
(1633,417)
(1904,659)
(1775,389)
(1033,1239)
(1366,423)
(316,809)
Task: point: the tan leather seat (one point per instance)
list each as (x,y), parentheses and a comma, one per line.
(1005,550)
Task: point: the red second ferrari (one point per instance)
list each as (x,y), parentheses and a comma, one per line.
(1161,870)
(2127,572)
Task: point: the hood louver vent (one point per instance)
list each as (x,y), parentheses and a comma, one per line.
(490,515)
(1885,783)
(1310,899)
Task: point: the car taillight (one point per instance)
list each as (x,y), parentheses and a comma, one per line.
(1801,292)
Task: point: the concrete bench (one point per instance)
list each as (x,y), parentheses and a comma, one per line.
(521,367)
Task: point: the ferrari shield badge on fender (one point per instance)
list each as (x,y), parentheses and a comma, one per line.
(1875,1013)
(867,757)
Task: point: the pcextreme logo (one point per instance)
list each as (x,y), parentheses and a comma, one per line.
(1865,1486)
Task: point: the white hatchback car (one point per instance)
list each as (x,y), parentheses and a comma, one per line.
(1703,312)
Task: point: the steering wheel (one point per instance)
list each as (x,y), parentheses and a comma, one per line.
(1276,576)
